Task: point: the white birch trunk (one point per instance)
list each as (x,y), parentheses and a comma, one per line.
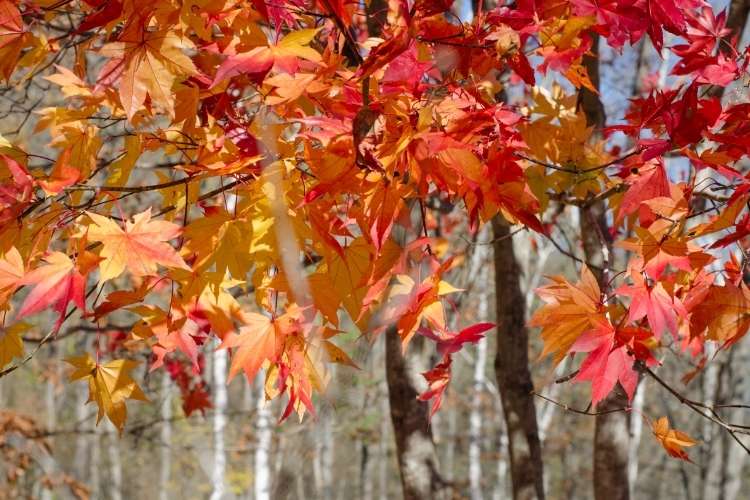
(475,416)
(736,456)
(636,431)
(323,462)
(50,404)
(263,447)
(219,423)
(165,467)
(384,440)
(450,442)
(83,440)
(115,464)
(95,462)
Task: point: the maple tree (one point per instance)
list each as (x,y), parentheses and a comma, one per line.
(308,173)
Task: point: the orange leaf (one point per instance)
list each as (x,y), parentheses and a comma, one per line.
(672,440)
(570,310)
(139,248)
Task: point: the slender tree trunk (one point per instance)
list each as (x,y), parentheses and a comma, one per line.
(712,463)
(501,490)
(248,407)
(115,465)
(736,456)
(219,423)
(611,434)
(263,446)
(475,416)
(383,447)
(84,441)
(165,467)
(95,462)
(50,402)
(512,370)
(450,441)
(415,450)
(323,463)
(636,431)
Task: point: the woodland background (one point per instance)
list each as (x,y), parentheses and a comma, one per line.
(237,450)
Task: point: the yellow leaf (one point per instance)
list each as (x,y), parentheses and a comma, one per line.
(11,344)
(110,385)
(337,355)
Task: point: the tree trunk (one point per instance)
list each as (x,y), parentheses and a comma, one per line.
(636,431)
(475,416)
(220,421)
(383,448)
(95,462)
(611,434)
(165,467)
(512,370)
(323,463)
(115,465)
(417,457)
(712,461)
(50,402)
(263,446)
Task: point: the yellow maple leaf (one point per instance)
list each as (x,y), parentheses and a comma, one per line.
(11,344)
(139,247)
(110,385)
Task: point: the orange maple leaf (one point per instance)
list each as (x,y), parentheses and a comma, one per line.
(147,63)
(673,441)
(284,55)
(256,342)
(570,310)
(139,247)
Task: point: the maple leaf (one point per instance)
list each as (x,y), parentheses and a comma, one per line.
(719,312)
(452,342)
(11,272)
(673,441)
(11,343)
(658,254)
(258,341)
(606,364)
(647,183)
(146,63)
(652,301)
(139,248)
(57,283)
(438,379)
(110,385)
(337,355)
(197,398)
(569,312)
(284,55)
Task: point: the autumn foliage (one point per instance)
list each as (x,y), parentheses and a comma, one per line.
(258,176)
